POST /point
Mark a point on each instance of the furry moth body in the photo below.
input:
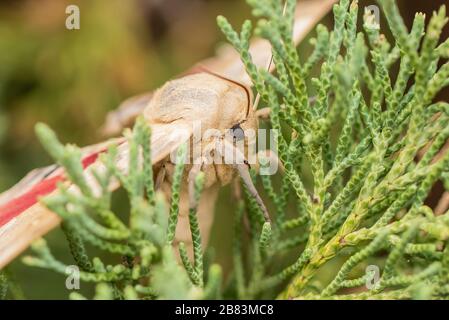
(217, 104)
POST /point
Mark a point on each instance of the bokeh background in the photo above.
(70, 79)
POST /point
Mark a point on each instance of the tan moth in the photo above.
(213, 104)
(219, 105)
(221, 100)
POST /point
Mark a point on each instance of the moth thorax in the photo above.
(215, 102)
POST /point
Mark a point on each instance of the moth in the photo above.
(223, 111)
(219, 98)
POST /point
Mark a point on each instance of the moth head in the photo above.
(215, 108)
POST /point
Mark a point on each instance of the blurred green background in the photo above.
(70, 79)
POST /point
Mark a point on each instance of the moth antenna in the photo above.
(242, 166)
(268, 67)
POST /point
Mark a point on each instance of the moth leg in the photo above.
(183, 227)
(160, 177)
(125, 114)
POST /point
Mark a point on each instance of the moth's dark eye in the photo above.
(237, 132)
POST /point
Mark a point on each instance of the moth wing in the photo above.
(26, 183)
(38, 175)
(35, 221)
(166, 139)
(125, 114)
(17, 234)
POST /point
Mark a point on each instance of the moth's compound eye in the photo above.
(237, 132)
